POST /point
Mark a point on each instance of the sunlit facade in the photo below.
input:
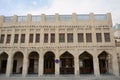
(117, 41)
(57, 44)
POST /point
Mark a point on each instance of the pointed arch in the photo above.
(86, 63)
(105, 64)
(66, 63)
(85, 54)
(69, 51)
(65, 54)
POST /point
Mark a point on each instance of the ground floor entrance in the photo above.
(49, 63)
(3, 66)
(3, 62)
(17, 63)
(105, 64)
(33, 63)
(86, 63)
(66, 63)
(61, 63)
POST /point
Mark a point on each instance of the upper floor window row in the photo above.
(65, 17)
(36, 18)
(62, 37)
(8, 19)
(49, 18)
(83, 17)
(100, 17)
(22, 18)
(60, 17)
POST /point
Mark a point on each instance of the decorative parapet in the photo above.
(74, 16)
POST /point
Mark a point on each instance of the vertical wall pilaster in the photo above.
(57, 29)
(41, 64)
(1, 21)
(15, 19)
(109, 19)
(57, 65)
(115, 65)
(25, 65)
(9, 65)
(5, 39)
(12, 37)
(96, 66)
(76, 64)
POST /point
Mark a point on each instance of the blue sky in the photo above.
(36, 7)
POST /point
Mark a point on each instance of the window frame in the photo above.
(8, 39)
(46, 37)
(16, 38)
(22, 38)
(61, 37)
(37, 38)
(52, 39)
(2, 38)
(88, 37)
(31, 38)
(98, 37)
(70, 38)
(80, 37)
(107, 37)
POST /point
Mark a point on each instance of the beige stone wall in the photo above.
(118, 57)
(73, 26)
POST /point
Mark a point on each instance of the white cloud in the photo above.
(79, 7)
(71, 6)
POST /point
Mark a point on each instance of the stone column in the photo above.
(76, 63)
(57, 65)
(9, 65)
(115, 65)
(96, 66)
(41, 65)
(25, 66)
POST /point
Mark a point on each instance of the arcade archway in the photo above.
(33, 63)
(86, 63)
(17, 63)
(105, 62)
(66, 63)
(49, 63)
(3, 62)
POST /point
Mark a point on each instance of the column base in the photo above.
(97, 75)
(24, 75)
(7, 75)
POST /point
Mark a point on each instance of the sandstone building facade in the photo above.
(58, 44)
(117, 41)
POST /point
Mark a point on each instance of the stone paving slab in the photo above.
(68, 77)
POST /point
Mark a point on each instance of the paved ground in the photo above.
(61, 77)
